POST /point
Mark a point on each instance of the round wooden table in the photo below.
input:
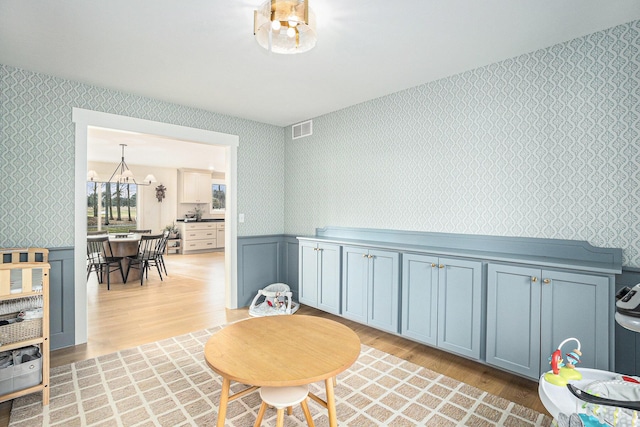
(279, 351)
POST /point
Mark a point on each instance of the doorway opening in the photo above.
(84, 119)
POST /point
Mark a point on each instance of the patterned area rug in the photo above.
(167, 383)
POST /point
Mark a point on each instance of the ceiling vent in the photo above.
(302, 129)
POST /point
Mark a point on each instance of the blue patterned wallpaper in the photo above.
(541, 145)
(37, 156)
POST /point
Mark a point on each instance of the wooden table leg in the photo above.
(224, 400)
(331, 402)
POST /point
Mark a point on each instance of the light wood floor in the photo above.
(192, 298)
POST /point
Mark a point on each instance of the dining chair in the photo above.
(163, 250)
(133, 230)
(149, 251)
(101, 260)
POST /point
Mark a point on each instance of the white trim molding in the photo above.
(85, 118)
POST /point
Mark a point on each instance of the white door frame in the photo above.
(85, 118)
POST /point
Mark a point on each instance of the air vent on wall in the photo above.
(302, 129)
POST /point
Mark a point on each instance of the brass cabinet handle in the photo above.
(370, 256)
(365, 256)
(433, 265)
(534, 279)
(441, 266)
(546, 281)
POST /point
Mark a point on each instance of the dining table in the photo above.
(124, 245)
(281, 351)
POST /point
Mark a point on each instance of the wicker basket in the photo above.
(19, 331)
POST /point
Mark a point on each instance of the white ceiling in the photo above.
(103, 145)
(202, 53)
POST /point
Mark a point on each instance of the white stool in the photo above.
(284, 397)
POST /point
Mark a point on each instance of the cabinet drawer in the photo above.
(200, 244)
(220, 225)
(200, 235)
(200, 226)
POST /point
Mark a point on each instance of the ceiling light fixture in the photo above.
(285, 26)
(122, 174)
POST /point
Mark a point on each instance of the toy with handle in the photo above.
(561, 372)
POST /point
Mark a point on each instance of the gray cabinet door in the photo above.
(420, 298)
(576, 306)
(513, 318)
(460, 306)
(329, 278)
(308, 273)
(355, 278)
(384, 287)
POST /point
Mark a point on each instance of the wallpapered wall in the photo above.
(542, 145)
(37, 156)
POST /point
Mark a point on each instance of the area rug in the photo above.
(167, 383)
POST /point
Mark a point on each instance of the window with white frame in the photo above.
(218, 195)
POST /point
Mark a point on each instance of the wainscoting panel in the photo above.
(263, 260)
(290, 268)
(61, 298)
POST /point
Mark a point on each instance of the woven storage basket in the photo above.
(19, 331)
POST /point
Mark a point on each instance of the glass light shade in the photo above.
(149, 179)
(303, 24)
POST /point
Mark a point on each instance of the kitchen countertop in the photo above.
(201, 220)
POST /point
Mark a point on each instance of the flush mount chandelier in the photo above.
(285, 26)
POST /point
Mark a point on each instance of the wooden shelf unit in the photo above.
(26, 260)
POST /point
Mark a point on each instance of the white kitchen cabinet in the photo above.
(219, 234)
(195, 187)
(198, 236)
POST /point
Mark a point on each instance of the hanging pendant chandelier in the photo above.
(122, 174)
(285, 26)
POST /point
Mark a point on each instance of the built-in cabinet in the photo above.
(319, 275)
(530, 311)
(219, 235)
(370, 287)
(195, 186)
(442, 302)
(420, 298)
(507, 302)
(198, 236)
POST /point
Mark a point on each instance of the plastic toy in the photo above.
(277, 300)
(562, 372)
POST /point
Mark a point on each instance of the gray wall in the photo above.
(542, 145)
